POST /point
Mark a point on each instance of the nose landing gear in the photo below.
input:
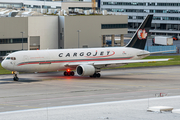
(15, 76)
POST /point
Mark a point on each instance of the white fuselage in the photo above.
(52, 60)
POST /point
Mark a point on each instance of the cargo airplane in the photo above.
(86, 61)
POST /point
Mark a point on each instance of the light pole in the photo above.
(22, 39)
(78, 36)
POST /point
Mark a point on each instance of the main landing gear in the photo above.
(96, 75)
(15, 76)
(68, 73)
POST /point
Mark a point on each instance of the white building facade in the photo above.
(166, 19)
(90, 31)
(28, 33)
(56, 4)
(59, 32)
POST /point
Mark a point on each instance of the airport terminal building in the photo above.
(90, 31)
(166, 19)
(37, 33)
(55, 4)
(58, 32)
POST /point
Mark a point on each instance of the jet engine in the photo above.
(85, 70)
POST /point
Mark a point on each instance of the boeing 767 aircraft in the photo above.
(86, 61)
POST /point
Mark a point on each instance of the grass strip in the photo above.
(4, 71)
(174, 61)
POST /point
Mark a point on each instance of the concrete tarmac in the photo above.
(44, 90)
(116, 110)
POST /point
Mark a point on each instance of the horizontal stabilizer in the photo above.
(149, 53)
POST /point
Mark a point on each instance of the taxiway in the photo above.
(46, 90)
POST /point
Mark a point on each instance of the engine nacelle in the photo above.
(85, 70)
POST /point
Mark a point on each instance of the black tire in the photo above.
(65, 73)
(94, 75)
(72, 73)
(15, 78)
(98, 75)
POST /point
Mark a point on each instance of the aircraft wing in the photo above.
(113, 62)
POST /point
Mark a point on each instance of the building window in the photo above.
(61, 36)
(3, 53)
(141, 4)
(140, 17)
(113, 26)
(11, 41)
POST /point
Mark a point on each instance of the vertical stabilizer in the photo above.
(140, 37)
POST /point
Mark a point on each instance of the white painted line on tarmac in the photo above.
(90, 104)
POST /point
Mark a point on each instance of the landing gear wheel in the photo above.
(69, 73)
(65, 73)
(15, 77)
(94, 75)
(72, 73)
(98, 75)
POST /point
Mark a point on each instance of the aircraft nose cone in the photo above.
(3, 64)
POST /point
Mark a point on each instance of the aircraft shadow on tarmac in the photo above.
(22, 80)
(122, 78)
(59, 77)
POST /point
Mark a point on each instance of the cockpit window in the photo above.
(12, 58)
(8, 58)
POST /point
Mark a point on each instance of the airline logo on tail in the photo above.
(142, 34)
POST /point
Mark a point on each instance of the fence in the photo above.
(161, 48)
